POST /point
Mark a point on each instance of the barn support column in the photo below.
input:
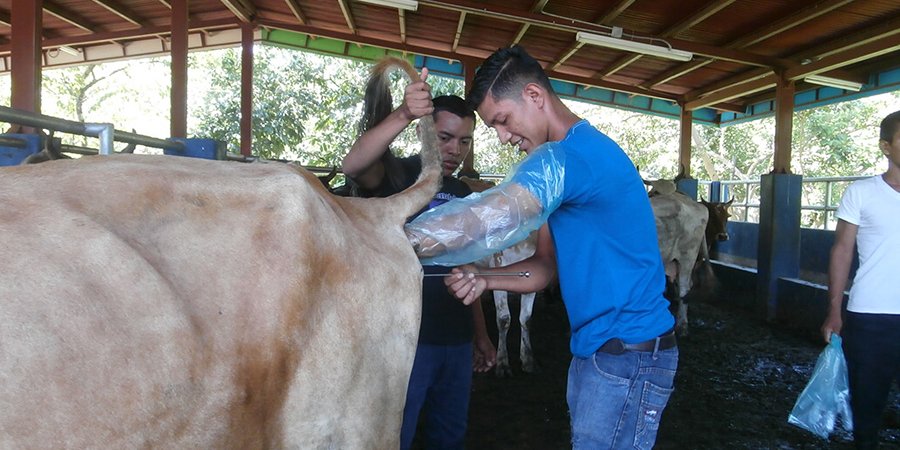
(686, 183)
(25, 77)
(246, 88)
(179, 51)
(779, 213)
(468, 165)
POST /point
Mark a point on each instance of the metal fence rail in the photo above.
(820, 199)
(104, 131)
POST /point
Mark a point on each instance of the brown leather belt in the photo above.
(665, 341)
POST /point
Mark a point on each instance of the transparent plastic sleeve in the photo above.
(468, 229)
(827, 395)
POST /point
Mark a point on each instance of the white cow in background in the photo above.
(511, 255)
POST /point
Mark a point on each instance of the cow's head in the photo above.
(716, 227)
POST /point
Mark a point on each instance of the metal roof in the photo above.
(740, 47)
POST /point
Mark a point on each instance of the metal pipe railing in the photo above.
(105, 131)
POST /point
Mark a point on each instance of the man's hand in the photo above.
(417, 99)
(464, 285)
(484, 355)
(833, 324)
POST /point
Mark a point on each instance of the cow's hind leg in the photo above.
(503, 322)
(526, 354)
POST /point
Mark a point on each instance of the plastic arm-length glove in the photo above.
(468, 229)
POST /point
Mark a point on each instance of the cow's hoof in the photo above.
(531, 368)
(503, 371)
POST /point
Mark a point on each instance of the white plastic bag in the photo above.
(826, 396)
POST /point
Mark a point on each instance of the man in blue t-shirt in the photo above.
(601, 239)
(441, 377)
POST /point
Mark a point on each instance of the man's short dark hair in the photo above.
(453, 104)
(889, 126)
(504, 74)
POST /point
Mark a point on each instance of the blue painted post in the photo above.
(688, 186)
(198, 148)
(715, 189)
(779, 237)
(20, 146)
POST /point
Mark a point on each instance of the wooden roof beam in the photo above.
(297, 11)
(166, 3)
(787, 23)
(695, 18)
(877, 36)
(798, 18)
(732, 92)
(120, 11)
(459, 28)
(851, 56)
(710, 9)
(5, 19)
(242, 9)
(348, 16)
(500, 12)
(66, 16)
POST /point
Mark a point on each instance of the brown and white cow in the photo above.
(511, 255)
(680, 227)
(717, 227)
(160, 301)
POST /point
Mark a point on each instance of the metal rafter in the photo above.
(566, 55)
(242, 9)
(120, 11)
(402, 16)
(620, 64)
(61, 14)
(614, 12)
(536, 8)
(348, 16)
(297, 11)
(166, 3)
(459, 28)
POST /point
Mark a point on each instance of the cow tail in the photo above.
(414, 198)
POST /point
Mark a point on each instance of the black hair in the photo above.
(889, 126)
(452, 104)
(504, 74)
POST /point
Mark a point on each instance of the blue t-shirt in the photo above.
(607, 253)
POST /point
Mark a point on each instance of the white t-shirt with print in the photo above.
(874, 207)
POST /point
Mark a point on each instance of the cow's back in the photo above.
(191, 303)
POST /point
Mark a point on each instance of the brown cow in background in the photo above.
(169, 302)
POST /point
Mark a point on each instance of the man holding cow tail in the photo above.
(441, 376)
(867, 217)
(601, 239)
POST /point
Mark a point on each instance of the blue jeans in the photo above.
(616, 401)
(439, 387)
(871, 344)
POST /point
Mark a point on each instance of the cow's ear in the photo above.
(703, 200)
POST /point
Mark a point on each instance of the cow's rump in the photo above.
(175, 302)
